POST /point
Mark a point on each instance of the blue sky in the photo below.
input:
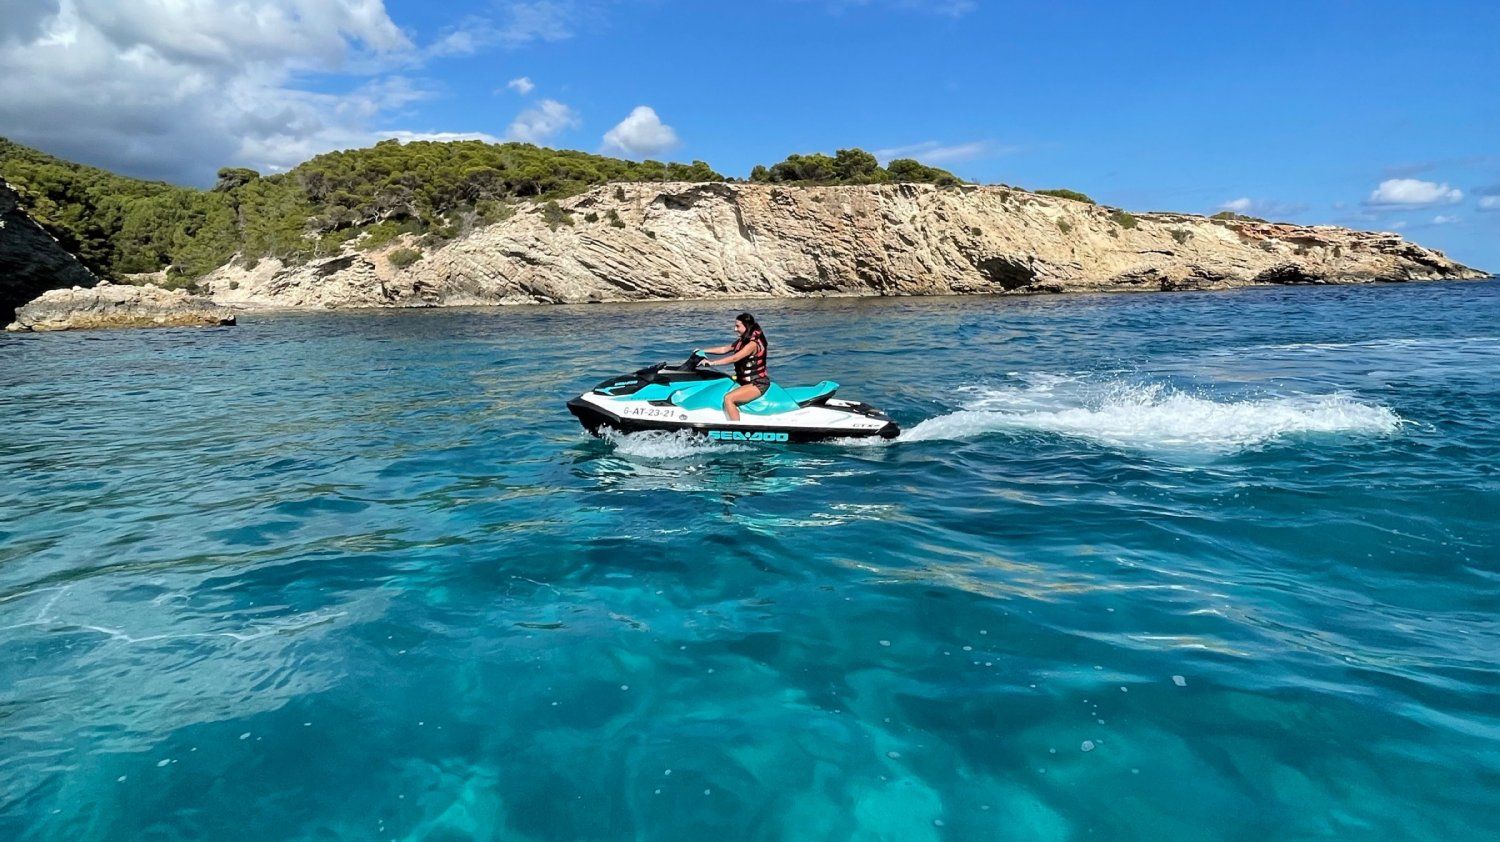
(1377, 115)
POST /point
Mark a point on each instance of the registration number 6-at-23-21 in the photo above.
(652, 411)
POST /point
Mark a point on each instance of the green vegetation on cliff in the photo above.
(1231, 216)
(1067, 194)
(118, 225)
(402, 258)
(115, 224)
(849, 166)
(121, 226)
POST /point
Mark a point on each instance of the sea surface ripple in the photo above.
(1211, 565)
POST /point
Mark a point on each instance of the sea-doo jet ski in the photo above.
(690, 397)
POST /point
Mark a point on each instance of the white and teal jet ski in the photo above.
(690, 397)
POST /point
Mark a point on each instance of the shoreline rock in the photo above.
(117, 306)
(675, 241)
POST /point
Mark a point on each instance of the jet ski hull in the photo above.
(596, 419)
(690, 398)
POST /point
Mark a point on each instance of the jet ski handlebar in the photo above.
(692, 363)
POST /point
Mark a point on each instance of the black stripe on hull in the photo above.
(594, 418)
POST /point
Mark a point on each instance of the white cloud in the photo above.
(1489, 203)
(1263, 207)
(522, 23)
(1414, 192)
(463, 41)
(282, 127)
(23, 19)
(541, 122)
(544, 21)
(307, 34)
(408, 137)
(521, 85)
(175, 89)
(934, 152)
(1444, 219)
(640, 135)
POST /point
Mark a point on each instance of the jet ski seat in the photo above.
(705, 395)
(776, 400)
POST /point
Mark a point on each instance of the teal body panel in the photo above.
(706, 395)
(799, 395)
(776, 400)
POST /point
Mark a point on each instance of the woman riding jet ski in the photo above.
(749, 353)
(706, 402)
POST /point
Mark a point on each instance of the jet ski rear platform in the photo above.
(690, 398)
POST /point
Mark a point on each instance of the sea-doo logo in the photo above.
(735, 435)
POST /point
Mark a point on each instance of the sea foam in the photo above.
(655, 444)
(1153, 416)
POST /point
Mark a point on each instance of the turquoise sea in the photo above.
(1198, 566)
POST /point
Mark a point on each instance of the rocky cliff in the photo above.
(678, 240)
(31, 261)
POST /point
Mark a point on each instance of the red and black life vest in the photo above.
(753, 367)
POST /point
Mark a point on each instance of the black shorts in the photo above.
(761, 383)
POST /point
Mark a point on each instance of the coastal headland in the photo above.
(632, 242)
(463, 223)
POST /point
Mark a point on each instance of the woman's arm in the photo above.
(722, 349)
(750, 348)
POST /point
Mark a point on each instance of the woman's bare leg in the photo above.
(743, 394)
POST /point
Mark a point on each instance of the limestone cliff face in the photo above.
(670, 241)
(31, 261)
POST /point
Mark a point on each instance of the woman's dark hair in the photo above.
(752, 327)
(753, 332)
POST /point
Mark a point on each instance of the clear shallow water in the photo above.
(1218, 565)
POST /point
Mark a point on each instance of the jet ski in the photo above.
(690, 397)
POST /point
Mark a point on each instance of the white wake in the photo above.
(662, 444)
(1154, 417)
